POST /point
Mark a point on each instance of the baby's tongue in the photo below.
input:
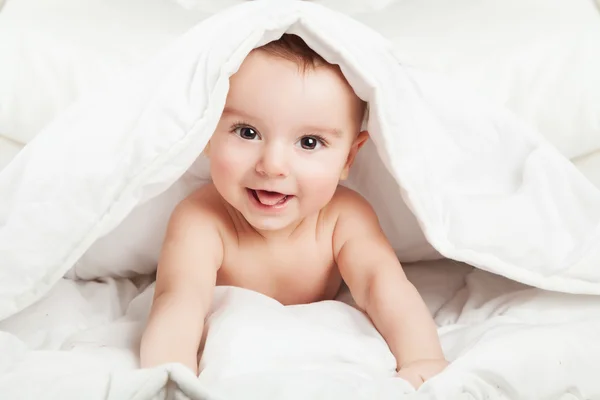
(269, 198)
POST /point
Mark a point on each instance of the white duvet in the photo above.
(447, 174)
(506, 340)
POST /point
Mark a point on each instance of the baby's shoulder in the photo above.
(353, 213)
(202, 204)
(346, 200)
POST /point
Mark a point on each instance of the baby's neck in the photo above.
(284, 234)
(275, 236)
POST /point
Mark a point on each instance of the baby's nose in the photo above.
(273, 162)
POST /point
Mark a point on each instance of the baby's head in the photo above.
(289, 132)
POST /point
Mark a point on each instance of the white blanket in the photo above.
(506, 340)
(481, 186)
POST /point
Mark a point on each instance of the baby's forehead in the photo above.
(264, 75)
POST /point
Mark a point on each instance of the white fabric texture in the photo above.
(589, 165)
(53, 53)
(8, 150)
(506, 341)
(536, 57)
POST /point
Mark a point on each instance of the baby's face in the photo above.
(284, 140)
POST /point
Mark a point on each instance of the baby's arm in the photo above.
(191, 255)
(379, 286)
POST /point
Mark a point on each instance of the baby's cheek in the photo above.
(321, 188)
(225, 162)
(222, 166)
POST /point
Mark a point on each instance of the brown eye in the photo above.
(309, 142)
(246, 132)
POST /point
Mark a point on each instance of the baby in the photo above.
(275, 220)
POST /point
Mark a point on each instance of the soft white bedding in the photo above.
(8, 150)
(589, 165)
(507, 341)
(537, 57)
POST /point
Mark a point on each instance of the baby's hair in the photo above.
(293, 48)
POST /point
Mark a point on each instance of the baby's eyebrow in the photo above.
(235, 111)
(320, 129)
(306, 128)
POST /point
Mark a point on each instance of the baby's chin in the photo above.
(271, 224)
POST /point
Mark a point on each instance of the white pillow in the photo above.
(53, 52)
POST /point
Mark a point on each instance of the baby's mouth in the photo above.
(268, 198)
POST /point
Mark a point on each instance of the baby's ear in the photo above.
(359, 142)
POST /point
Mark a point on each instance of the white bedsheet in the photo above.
(506, 341)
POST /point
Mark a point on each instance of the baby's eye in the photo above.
(310, 142)
(245, 132)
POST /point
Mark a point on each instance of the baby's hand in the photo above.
(419, 371)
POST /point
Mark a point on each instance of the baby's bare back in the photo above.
(295, 269)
